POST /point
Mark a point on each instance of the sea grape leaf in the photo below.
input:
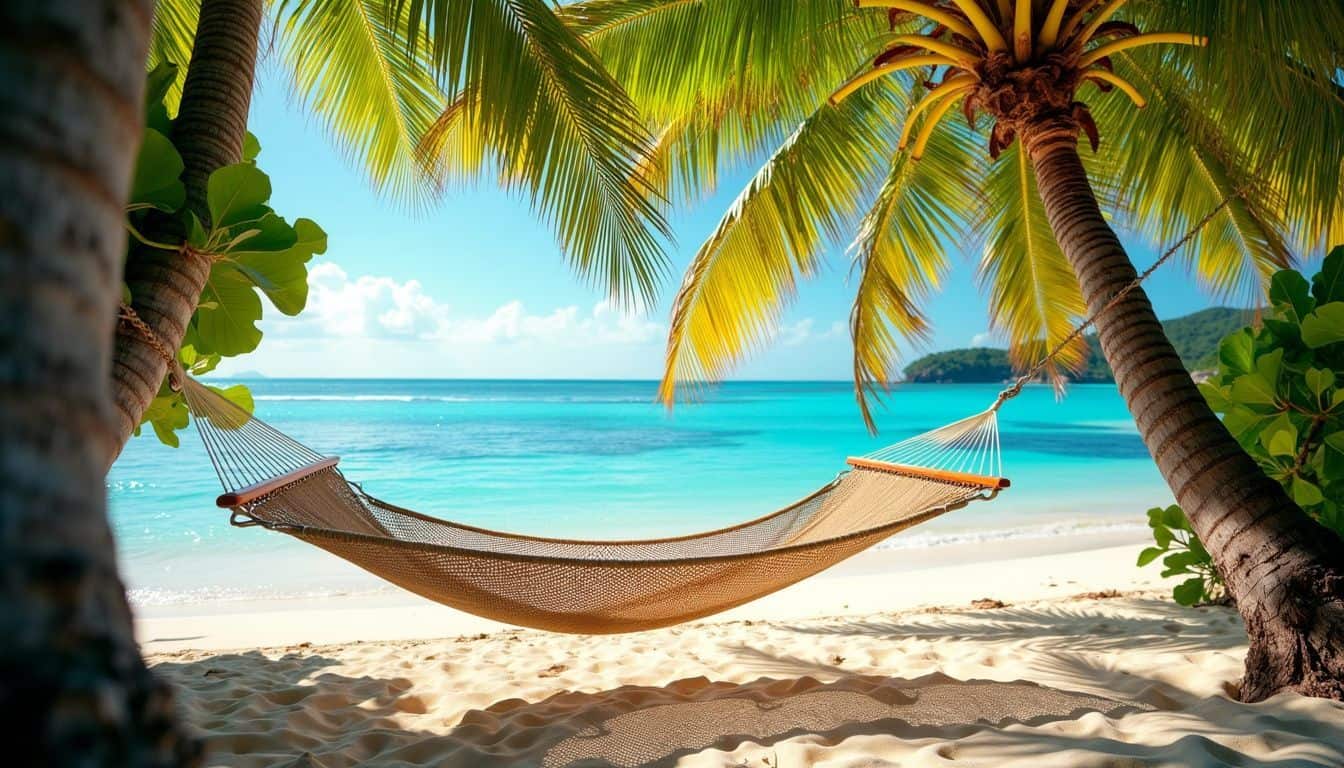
(1319, 380)
(251, 147)
(1253, 389)
(158, 174)
(1216, 395)
(1189, 592)
(278, 266)
(1280, 440)
(229, 328)
(166, 414)
(1149, 554)
(1237, 352)
(1270, 366)
(1328, 284)
(1289, 290)
(237, 394)
(1173, 517)
(1324, 326)
(1245, 424)
(1305, 493)
(157, 84)
(237, 193)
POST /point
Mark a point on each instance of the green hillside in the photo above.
(1195, 337)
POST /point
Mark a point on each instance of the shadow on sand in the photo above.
(295, 710)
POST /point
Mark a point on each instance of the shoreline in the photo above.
(1008, 570)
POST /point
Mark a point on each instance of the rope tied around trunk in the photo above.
(1031, 373)
(128, 317)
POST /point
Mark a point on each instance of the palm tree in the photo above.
(71, 81)
(376, 73)
(849, 105)
(72, 77)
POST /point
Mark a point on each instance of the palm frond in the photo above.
(557, 127)
(1177, 163)
(791, 51)
(352, 65)
(1272, 73)
(811, 193)
(900, 255)
(1034, 297)
(171, 39)
(742, 82)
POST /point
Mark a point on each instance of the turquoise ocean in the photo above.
(600, 459)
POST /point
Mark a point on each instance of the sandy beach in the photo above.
(1047, 653)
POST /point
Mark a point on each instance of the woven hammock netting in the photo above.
(591, 587)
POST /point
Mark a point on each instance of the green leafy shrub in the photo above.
(1182, 555)
(254, 252)
(1279, 393)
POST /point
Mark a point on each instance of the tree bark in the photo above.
(73, 688)
(209, 130)
(1285, 571)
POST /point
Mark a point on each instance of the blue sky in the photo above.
(475, 287)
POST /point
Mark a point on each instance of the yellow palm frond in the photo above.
(811, 193)
(900, 255)
(1034, 298)
(351, 65)
(170, 42)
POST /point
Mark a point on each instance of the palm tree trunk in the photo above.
(1286, 572)
(209, 131)
(73, 688)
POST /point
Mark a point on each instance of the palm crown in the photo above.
(832, 95)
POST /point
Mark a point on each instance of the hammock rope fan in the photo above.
(601, 586)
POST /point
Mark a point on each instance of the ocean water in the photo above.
(599, 459)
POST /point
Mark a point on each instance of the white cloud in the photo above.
(804, 332)
(378, 326)
(377, 307)
(983, 339)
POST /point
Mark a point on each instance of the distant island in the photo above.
(1195, 337)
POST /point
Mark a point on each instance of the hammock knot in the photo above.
(128, 318)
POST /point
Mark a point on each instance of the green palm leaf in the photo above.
(1034, 298)
(1179, 163)
(171, 40)
(811, 193)
(352, 65)
(554, 124)
(1272, 72)
(900, 256)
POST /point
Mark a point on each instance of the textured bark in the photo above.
(209, 131)
(1285, 571)
(73, 689)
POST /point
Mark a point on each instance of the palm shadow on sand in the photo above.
(334, 721)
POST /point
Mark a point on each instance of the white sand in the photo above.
(852, 668)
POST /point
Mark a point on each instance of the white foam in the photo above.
(160, 596)
(1044, 531)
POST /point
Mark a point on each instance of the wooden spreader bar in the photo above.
(964, 478)
(257, 490)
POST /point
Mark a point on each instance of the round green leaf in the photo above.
(237, 193)
(158, 174)
(1324, 326)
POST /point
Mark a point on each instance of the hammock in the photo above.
(591, 587)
